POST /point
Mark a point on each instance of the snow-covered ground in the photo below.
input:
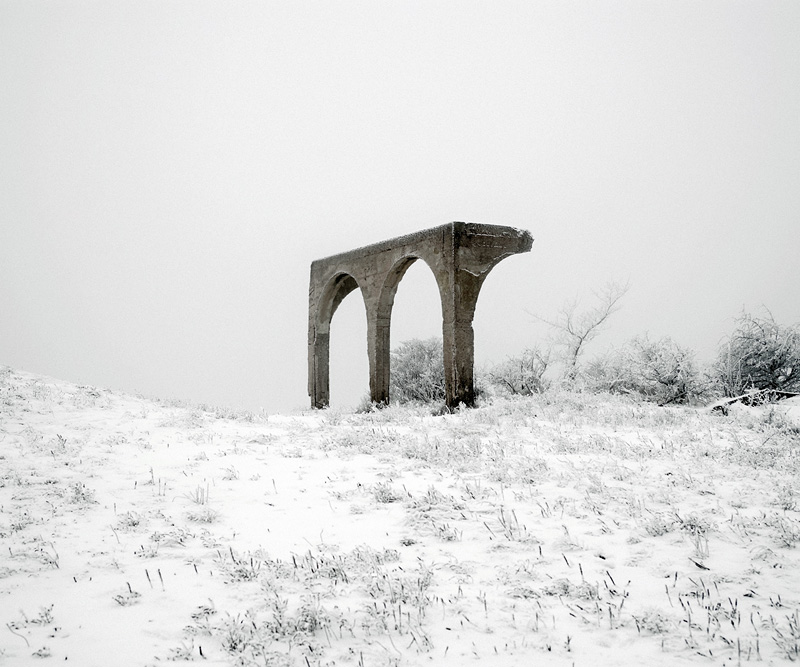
(560, 529)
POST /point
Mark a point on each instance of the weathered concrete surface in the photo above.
(460, 254)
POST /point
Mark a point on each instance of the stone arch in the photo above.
(333, 294)
(459, 254)
(395, 275)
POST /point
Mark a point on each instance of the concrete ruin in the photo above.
(459, 254)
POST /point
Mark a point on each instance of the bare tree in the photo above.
(574, 328)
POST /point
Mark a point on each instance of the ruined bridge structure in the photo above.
(460, 255)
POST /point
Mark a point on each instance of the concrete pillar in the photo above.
(458, 339)
(320, 371)
(378, 349)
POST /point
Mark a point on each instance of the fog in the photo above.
(169, 170)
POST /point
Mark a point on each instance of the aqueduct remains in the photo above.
(460, 256)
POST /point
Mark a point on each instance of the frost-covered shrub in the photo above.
(522, 374)
(660, 371)
(417, 372)
(760, 354)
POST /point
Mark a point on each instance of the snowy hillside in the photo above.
(566, 529)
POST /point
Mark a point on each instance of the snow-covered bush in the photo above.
(759, 354)
(521, 374)
(660, 371)
(417, 372)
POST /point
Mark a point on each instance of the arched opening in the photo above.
(417, 309)
(349, 364)
(416, 312)
(332, 295)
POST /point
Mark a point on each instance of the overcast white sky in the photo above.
(169, 170)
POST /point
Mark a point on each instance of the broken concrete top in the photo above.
(467, 230)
